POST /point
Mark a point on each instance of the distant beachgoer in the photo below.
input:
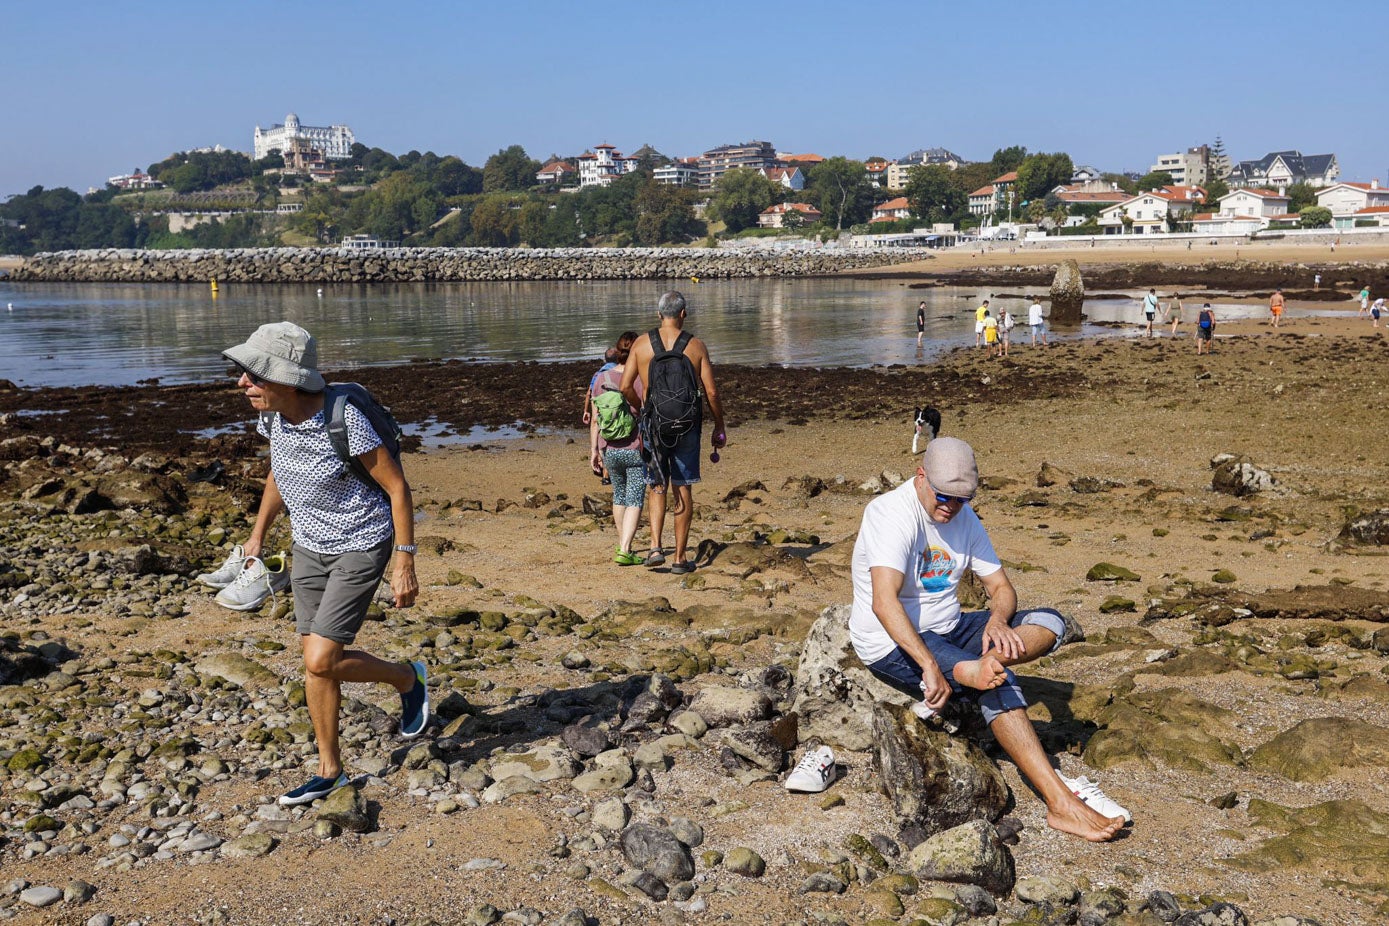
(1005, 331)
(1174, 312)
(620, 457)
(990, 333)
(672, 459)
(1036, 321)
(345, 531)
(608, 356)
(979, 315)
(1205, 329)
(1375, 310)
(1150, 308)
(1316, 281)
(1364, 302)
(920, 323)
(1275, 306)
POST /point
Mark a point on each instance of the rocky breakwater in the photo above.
(406, 265)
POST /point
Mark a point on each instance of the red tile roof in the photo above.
(1009, 177)
(898, 203)
(984, 191)
(1372, 210)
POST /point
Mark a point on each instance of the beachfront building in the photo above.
(1075, 197)
(558, 171)
(335, 141)
(716, 162)
(680, 172)
(1346, 200)
(892, 210)
(1281, 169)
(899, 172)
(994, 197)
(1243, 212)
(790, 177)
(603, 165)
(135, 180)
(1151, 212)
(1191, 167)
(776, 216)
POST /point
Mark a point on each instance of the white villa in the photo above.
(1244, 212)
(1284, 168)
(790, 177)
(775, 216)
(603, 165)
(892, 210)
(558, 172)
(1151, 212)
(993, 197)
(1355, 202)
(335, 141)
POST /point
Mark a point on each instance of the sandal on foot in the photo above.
(681, 569)
(655, 558)
(626, 559)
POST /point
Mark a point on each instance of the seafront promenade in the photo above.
(405, 265)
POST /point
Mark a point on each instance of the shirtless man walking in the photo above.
(675, 464)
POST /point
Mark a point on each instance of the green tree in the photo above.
(664, 215)
(934, 195)
(494, 222)
(1039, 174)
(739, 197)
(1007, 159)
(1215, 188)
(1315, 216)
(509, 169)
(842, 191)
(1154, 180)
(1301, 196)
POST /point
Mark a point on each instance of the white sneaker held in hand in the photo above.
(814, 772)
(224, 574)
(1089, 792)
(258, 580)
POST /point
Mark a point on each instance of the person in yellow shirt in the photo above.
(991, 335)
(979, 315)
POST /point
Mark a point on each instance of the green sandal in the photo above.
(627, 559)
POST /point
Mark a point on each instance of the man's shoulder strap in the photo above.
(658, 348)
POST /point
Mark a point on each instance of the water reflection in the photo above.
(70, 334)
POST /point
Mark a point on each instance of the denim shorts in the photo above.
(679, 463)
(625, 471)
(963, 643)
(332, 591)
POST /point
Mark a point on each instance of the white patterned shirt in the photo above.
(330, 510)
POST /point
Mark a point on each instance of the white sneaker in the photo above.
(223, 575)
(814, 772)
(258, 580)
(1094, 798)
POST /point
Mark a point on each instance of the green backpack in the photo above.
(615, 419)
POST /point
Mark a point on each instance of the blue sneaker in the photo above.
(313, 789)
(414, 705)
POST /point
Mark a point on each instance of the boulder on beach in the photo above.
(1067, 292)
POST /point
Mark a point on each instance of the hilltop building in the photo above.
(558, 172)
(680, 172)
(603, 165)
(1281, 169)
(776, 216)
(716, 162)
(137, 180)
(790, 177)
(334, 141)
(994, 197)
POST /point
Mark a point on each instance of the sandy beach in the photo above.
(1091, 452)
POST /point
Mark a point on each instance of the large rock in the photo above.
(971, 853)
(237, 669)
(1234, 475)
(347, 808)
(1338, 841)
(936, 781)
(1318, 748)
(1370, 529)
(721, 706)
(1067, 292)
(1167, 727)
(835, 695)
(657, 851)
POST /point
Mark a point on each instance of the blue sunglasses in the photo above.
(947, 499)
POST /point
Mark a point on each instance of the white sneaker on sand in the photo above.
(1089, 792)
(223, 575)
(258, 580)
(814, 772)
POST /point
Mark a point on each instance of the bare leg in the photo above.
(327, 664)
(1065, 812)
(619, 513)
(682, 521)
(627, 527)
(657, 518)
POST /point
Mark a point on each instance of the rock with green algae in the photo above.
(1344, 841)
(1321, 747)
(1167, 727)
(1108, 572)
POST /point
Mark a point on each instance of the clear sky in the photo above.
(96, 89)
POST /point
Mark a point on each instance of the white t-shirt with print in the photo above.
(330, 510)
(897, 533)
(1034, 314)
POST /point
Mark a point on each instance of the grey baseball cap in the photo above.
(280, 352)
(950, 467)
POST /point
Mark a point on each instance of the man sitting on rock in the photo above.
(912, 634)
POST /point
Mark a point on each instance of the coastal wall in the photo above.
(404, 265)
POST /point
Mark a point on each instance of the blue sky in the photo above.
(94, 89)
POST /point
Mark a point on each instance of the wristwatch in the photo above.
(406, 548)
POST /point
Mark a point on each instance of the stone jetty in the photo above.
(421, 265)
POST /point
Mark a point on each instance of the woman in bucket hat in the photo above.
(345, 533)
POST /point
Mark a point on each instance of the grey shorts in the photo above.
(332, 591)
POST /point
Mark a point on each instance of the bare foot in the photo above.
(981, 674)
(1074, 817)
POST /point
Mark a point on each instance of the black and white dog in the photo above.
(928, 424)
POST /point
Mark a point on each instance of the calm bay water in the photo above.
(61, 334)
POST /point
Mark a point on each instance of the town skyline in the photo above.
(538, 76)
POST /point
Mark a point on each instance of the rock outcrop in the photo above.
(1067, 292)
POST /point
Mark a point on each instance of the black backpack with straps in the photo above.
(673, 405)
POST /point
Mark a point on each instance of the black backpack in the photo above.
(673, 406)
(335, 399)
